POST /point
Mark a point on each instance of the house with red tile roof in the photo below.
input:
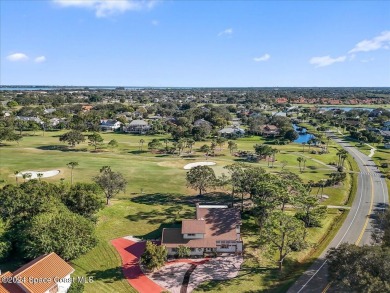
(86, 108)
(269, 130)
(48, 273)
(216, 229)
(281, 100)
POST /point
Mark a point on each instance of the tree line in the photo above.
(37, 217)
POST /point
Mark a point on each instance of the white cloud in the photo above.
(226, 32)
(367, 60)
(326, 60)
(17, 57)
(379, 42)
(263, 58)
(155, 22)
(40, 59)
(104, 8)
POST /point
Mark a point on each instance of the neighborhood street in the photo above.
(371, 197)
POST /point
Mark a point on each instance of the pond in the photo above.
(304, 136)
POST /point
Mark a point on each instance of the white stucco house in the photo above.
(109, 124)
(233, 130)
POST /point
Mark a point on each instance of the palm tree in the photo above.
(141, 144)
(340, 153)
(72, 165)
(310, 185)
(190, 143)
(321, 187)
(166, 141)
(16, 176)
(274, 151)
(303, 147)
(300, 159)
(283, 164)
(304, 163)
(39, 175)
(327, 143)
(231, 146)
(213, 146)
(309, 142)
(343, 157)
(26, 176)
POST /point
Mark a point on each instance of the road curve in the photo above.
(371, 196)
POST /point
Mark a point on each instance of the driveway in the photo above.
(130, 252)
(182, 276)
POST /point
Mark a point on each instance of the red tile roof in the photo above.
(7, 285)
(49, 266)
(220, 224)
(193, 226)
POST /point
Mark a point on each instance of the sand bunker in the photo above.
(192, 165)
(45, 174)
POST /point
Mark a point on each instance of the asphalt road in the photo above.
(371, 197)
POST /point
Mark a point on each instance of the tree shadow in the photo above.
(156, 234)
(62, 148)
(137, 152)
(378, 220)
(169, 215)
(178, 199)
(107, 276)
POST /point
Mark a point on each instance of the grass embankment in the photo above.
(381, 155)
(162, 180)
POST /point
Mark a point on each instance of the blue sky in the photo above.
(195, 43)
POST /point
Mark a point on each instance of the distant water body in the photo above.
(304, 136)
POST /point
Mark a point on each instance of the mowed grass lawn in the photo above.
(163, 200)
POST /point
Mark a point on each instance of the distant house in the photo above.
(109, 124)
(50, 272)
(86, 108)
(200, 122)
(386, 125)
(155, 117)
(385, 134)
(55, 121)
(137, 114)
(352, 122)
(279, 114)
(373, 129)
(230, 131)
(49, 111)
(376, 112)
(28, 119)
(216, 229)
(269, 130)
(281, 100)
(138, 126)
